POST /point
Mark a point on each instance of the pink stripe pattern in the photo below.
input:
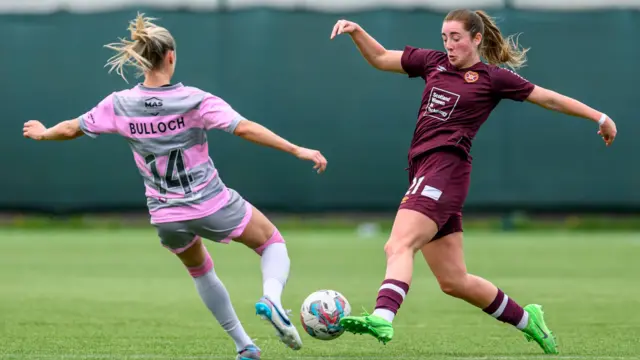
(183, 213)
(166, 130)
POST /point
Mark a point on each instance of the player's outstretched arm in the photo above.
(375, 54)
(260, 135)
(66, 130)
(554, 101)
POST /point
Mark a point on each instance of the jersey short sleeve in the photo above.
(415, 61)
(217, 114)
(509, 85)
(100, 119)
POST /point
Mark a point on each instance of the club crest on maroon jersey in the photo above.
(471, 76)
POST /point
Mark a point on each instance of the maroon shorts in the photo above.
(439, 183)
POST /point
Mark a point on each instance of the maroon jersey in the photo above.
(455, 103)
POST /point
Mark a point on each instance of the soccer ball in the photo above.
(321, 313)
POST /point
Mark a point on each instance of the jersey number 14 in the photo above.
(175, 174)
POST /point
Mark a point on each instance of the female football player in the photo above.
(165, 124)
(460, 93)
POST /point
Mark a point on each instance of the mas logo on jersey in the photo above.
(471, 76)
(153, 106)
(153, 102)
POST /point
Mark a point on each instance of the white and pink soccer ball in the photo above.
(321, 313)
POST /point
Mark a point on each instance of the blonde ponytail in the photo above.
(145, 51)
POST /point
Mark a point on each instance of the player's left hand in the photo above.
(608, 131)
(33, 129)
(312, 155)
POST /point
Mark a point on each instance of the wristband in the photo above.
(603, 118)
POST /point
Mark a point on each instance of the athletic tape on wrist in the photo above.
(603, 118)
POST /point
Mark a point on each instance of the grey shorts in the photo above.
(223, 225)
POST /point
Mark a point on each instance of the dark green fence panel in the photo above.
(279, 68)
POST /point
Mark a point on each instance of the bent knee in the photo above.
(396, 246)
(454, 285)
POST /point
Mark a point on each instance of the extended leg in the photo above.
(445, 257)
(411, 230)
(216, 297)
(265, 239)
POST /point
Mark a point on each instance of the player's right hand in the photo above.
(608, 131)
(320, 163)
(33, 129)
(344, 27)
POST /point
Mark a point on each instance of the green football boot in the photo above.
(373, 325)
(538, 331)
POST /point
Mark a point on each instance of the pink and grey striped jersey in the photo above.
(166, 129)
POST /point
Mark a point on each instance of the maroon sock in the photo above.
(506, 310)
(391, 295)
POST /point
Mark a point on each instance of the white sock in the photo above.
(216, 297)
(275, 265)
(524, 321)
(385, 314)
